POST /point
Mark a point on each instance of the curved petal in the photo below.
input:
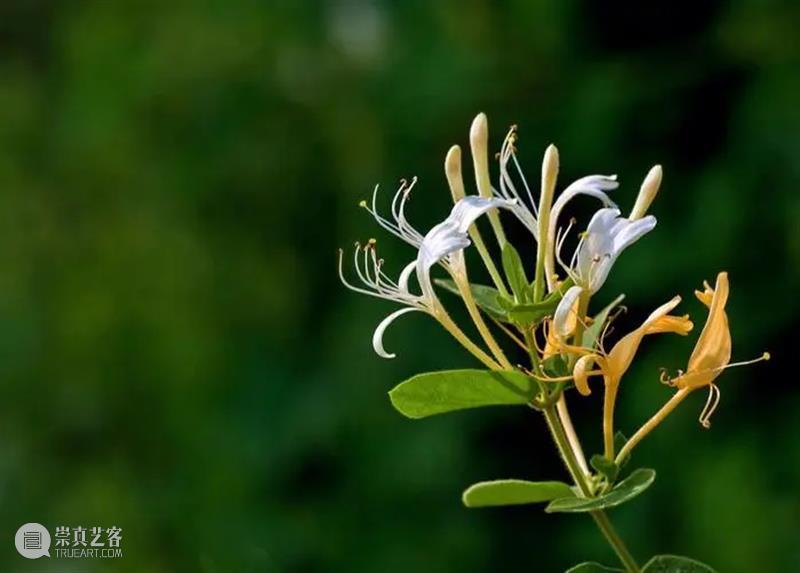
(594, 186)
(632, 231)
(565, 317)
(713, 349)
(377, 337)
(468, 209)
(405, 275)
(597, 245)
(450, 235)
(581, 370)
(607, 235)
(621, 356)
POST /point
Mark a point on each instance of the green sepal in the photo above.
(449, 390)
(605, 467)
(555, 366)
(592, 567)
(526, 314)
(486, 298)
(515, 273)
(624, 491)
(514, 492)
(675, 564)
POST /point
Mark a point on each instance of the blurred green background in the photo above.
(178, 358)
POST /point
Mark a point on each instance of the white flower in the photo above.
(443, 244)
(607, 235)
(526, 211)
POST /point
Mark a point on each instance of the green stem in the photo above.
(599, 516)
(657, 418)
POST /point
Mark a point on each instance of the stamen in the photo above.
(711, 405)
(764, 357)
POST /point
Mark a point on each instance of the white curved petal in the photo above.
(607, 235)
(594, 186)
(377, 337)
(565, 316)
(450, 235)
(405, 275)
(632, 232)
(469, 208)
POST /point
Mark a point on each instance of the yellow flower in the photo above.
(712, 353)
(614, 364)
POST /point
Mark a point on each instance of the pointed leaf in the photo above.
(592, 334)
(592, 567)
(485, 297)
(515, 272)
(624, 491)
(513, 492)
(675, 564)
(438, 392)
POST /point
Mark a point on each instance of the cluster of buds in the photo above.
(547, 316)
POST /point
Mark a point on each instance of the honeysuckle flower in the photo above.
(712, 352)
(443, 244)
(607, 235)
(615, 364)
(711, 355)
(525, 207)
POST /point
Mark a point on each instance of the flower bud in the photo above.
(647, 193)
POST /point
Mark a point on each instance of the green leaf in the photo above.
(624, 491)
(485, 297)
(675, 564)
(515, 272)
(513, 492)
(605, 466)
(592, 333)
(438, 392)
(592, 567)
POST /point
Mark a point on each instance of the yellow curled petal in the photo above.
(582, 371)
(677, 324)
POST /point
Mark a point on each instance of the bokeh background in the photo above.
(178, 358)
